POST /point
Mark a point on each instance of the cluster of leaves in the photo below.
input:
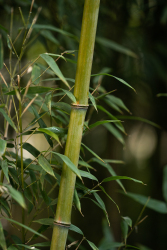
(24, 180)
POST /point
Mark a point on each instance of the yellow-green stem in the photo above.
(77, 117)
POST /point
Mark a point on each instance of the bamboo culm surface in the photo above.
(62, 219)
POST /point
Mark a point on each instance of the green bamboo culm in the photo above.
(65, 198)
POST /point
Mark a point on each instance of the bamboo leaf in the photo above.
(118, 124)
(102, 188)
(5, 204)
(49, 60)
(77, 201)
(70, 95)
(48, 132)
(67, 161)
(164, 183)
(31, 149)
(110, 169)
(26, 227)
(42, 244)
(112, 178)
(4, 166)
(92, 99)
(1, 53)
(45, 165)
(48, 101)
(115, 132)
(3, 144)
(36, 72)
(117, 102)
(92, 245)
(101, 122)
(138, 119)
(88, 175)
(76, 229)
(57, 130)
(115, 46)
(128, 220)
(2, 238)
(53, 28)
(8, 119)
(42, 125)
(85, 164)
(156, 205)
(16, 195)
(45, 221)
(63, 106)
(117, 78)
(28, 247)
(110, 245)
(92, 152)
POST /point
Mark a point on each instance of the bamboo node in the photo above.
(79, 106)
(61, 224)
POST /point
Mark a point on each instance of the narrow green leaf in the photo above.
(16, 195)
(3, 144)
(85, 164)
(53, 28)
(93, 153)
(4, 166)
(102, 188)
(62, 106)
(36, 72)
(8, 119)
(112, 178)
(164, 183)
(92, 99)
(2, 238)
(161, 94)
(118, 124)
(49, 60)
(88, 175)
(1, 53)
(70, 95)
(101, 122)
(31, 149)
(115, 132)
(48, 35)
(138, 119)
(117, 102)
(5, 204)
(11, 247)
(28, 247)
(77, 201)
(110, 169)
(156, 205)
(57, 79)
(42, 244)
(92, 245)
(67, 161)
(57, 130)
(26, 227)
(50, 133)
(42, 125)
(45, 221)
(128, 220)
(110, 245)
(117, 78)
(124, 228)
(114, 161)
(45, 165)
(76, 229)
(115, 46)
(48, 101)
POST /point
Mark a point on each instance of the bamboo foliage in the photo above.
(77, 117)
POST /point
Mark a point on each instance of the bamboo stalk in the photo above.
(77, 117)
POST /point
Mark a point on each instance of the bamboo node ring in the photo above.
(79, 106)
(61, 224)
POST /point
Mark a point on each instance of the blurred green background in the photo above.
(131, 44)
